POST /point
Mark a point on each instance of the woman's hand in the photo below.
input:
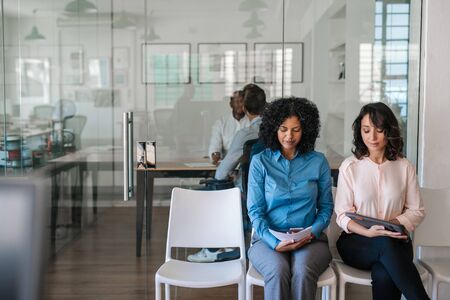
(286, 246)
(374, 231)
(378, 230)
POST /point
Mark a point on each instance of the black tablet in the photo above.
(369, 222)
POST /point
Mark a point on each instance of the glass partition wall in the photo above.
(71, 68)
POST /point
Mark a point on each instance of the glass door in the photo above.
(70, 69)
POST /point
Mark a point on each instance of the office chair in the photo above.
(72, 128)
(203, 219)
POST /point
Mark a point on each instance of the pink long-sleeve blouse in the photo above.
(384, 191)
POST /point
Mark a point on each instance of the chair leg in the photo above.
(434, 289)
(157, 290)
(167, 290)
(325, 292)
(241, 291)
(249, 291)
(333, 291)
(341, 290)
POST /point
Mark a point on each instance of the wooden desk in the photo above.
(145, 187)
(90, 159)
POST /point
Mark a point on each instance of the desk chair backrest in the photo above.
(251, 147)
(435, 229)
(75, 124)
(205, 219)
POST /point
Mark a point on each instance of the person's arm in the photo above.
(231, 160)
(216, 141)
(325, 200)
(414, 211)
(256, 202)
(344, 201)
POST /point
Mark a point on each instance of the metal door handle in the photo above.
(128, 173)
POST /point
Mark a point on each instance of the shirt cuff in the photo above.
(344, 224)
(405, 222)
(271, 240)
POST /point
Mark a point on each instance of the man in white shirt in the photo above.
(254, 103)
(226, 127)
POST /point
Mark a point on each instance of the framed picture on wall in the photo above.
(166, 63)
(72, 65)
(220, 63)
(99, 72)
(269, 66)
(12, 55)
(34, 78)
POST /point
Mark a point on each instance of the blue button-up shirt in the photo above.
(285, 194)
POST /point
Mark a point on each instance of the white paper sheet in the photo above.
(296, 236)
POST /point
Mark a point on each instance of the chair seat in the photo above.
(200, 275)
(326, 278)
(438, 267)
(363, 277)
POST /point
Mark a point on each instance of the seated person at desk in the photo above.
(254, 104)
(289, 186)
(226, 127)
(378, 182)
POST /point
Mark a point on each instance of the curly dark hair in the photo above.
(281, 109)
(382, 118)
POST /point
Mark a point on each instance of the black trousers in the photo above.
(390, 262)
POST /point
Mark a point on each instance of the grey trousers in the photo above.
(290, 275)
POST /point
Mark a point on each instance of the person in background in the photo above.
(254, 104)
(377, 181)
(226, 127)
(289, 186)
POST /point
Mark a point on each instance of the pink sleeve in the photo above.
(414, 210)
(344, 196)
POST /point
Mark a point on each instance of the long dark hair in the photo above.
(382, 118)
(279, 110)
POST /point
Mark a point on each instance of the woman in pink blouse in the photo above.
(377, 181)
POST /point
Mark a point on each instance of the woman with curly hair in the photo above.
(289, 187)
(378, 182)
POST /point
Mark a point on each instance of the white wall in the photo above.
(434, 128)
(434, 142)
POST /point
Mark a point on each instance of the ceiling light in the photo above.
(80, 6)
(249, 5)
(34, 34)
(254, 34)
(253, 21)
(151, 35)
(123, 22)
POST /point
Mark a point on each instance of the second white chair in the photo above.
(203, 219)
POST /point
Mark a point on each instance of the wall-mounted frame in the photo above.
(269, 62)
(99, 72)
(34, 78)
(220, 63)
(166, 63)
(12, 54)
(72, 63)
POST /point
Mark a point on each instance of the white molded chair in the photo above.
(432, 237)
(349, 274)
(327, 280)
(203, 219)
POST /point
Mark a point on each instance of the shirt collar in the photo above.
(277, 155)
